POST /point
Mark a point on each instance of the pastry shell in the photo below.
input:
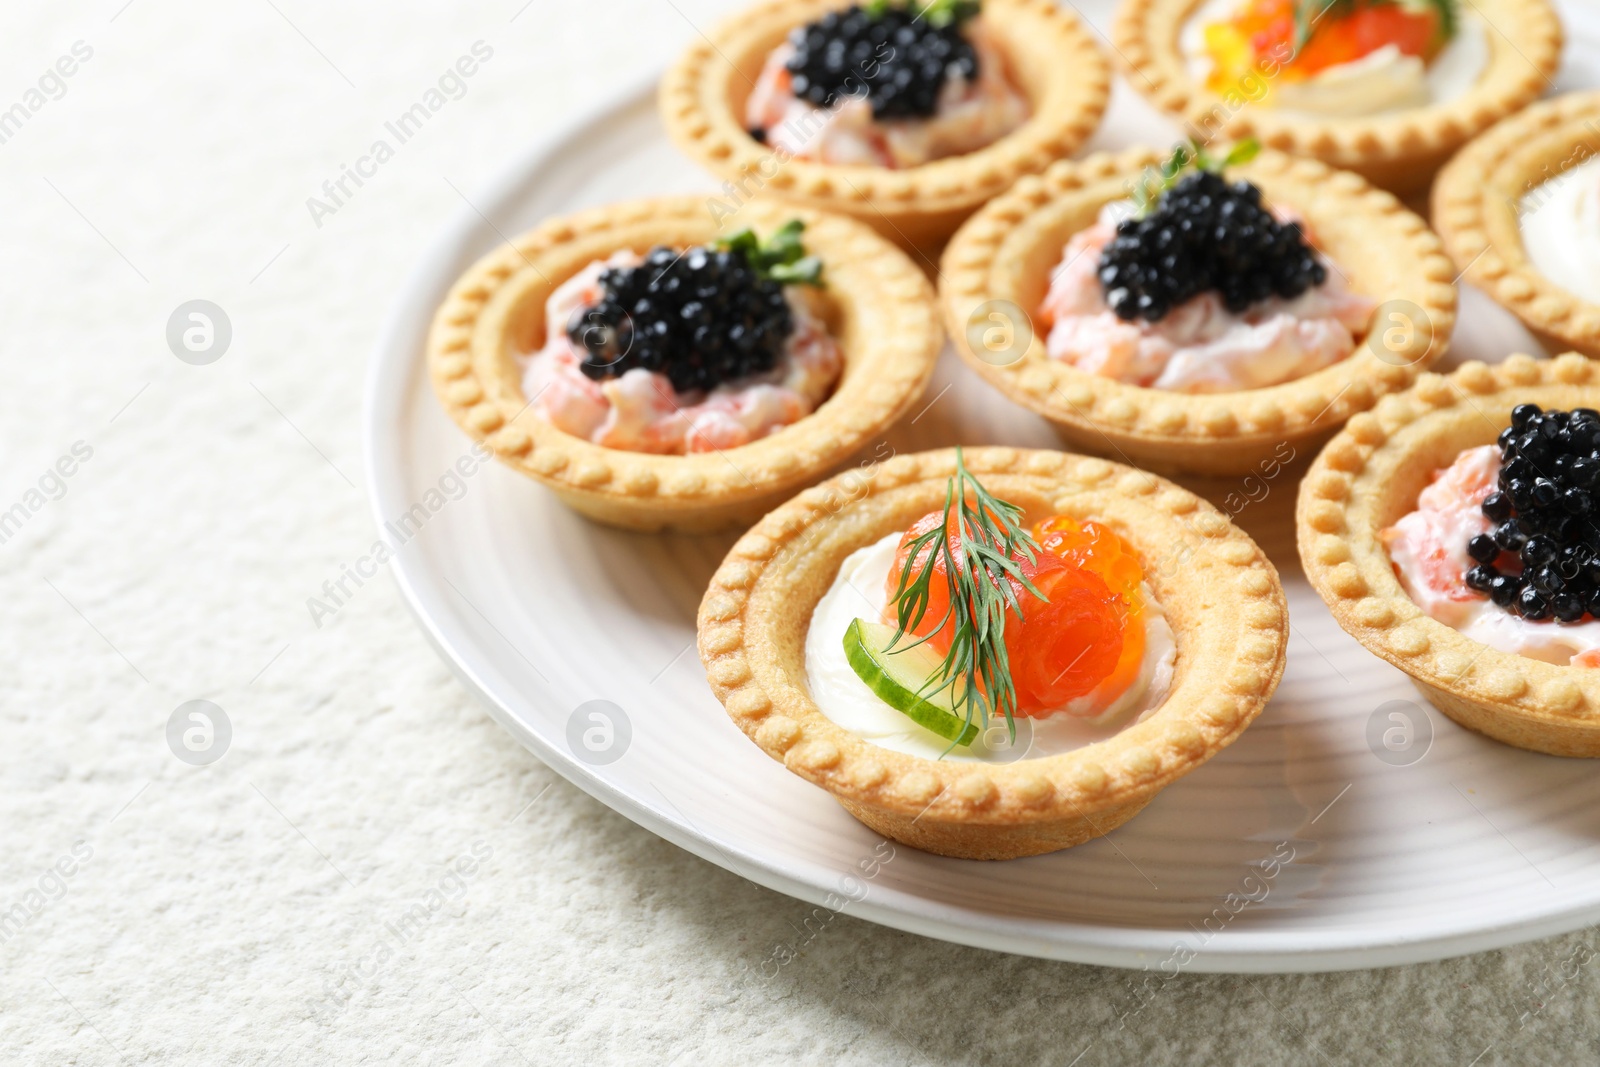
(1476, 206)
(1368, 477)
(1220, 594)
(880, 308)
(1052, 60)
(1001, 262)
(1400, 150)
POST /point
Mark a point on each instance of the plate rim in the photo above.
(390, 376)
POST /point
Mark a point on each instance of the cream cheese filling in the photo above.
(1561, 229)
(858, 592)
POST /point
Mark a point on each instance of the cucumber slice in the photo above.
(896, 677)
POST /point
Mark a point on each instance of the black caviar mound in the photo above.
(900, 58)
(1205, 234)
(703, 317)
(1542, 557)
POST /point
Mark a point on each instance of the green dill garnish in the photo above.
(781, 257)
(939, 13)
(981, 595)
(1155, 181)
(1309, 13)
(1449, 17)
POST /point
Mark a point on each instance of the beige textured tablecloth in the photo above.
(374, 872)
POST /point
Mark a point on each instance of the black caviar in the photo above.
(898, 58)
(1205, 234)
(1541, 558)
(702, 318)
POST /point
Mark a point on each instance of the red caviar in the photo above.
(1266, 30)
(1097, 548)
(1083, 636)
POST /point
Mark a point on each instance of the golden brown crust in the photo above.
(1052, 57)
(1369, 476)
(1476, 208)
(756, 613)
(1398, 151)
(882, 311)
(1008, 249)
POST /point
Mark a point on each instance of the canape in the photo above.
(1197, 312)
(1386, 88)
(1519, 210)
(1452, 531)
(903, 114)
(658, 369)
(994, 653)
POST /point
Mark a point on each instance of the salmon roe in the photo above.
(1083, 635)
(1264, 29)
(1098, 549)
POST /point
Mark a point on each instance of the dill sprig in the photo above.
(939, 13)
(1153, 183)
(781, 257)
(981, 595)
(1309, 13)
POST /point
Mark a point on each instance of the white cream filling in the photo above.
(1561, 229)
(858, 592)
(1384, 80)
(1553, 642)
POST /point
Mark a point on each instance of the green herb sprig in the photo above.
(938, 13)
(1155, 181)
(981, 595)
(781, 257)
(1449, 16)
(1308, 14)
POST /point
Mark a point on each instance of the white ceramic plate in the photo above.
(1447, 844)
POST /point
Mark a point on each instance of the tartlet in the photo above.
(1005, 253)
(880, 309)
(1051, 57)
(1400, 150)
(1369, 476)
(755, 616)
(1477, 209)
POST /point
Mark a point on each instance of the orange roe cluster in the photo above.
(1097, 549)
(1260, 40)
(1083, 636)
